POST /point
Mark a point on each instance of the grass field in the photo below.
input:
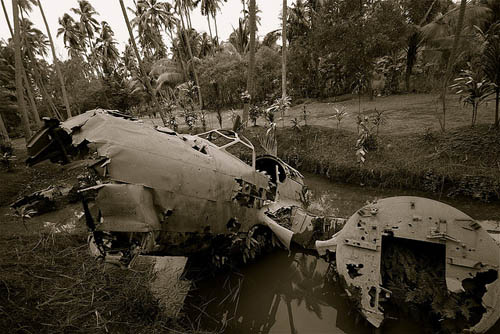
(407, 113)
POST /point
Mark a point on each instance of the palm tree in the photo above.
(283, 51)
(150, 16)
(271, 38)
(3, 130)
(19, 84)
(88, 26)
(141, 65)
(450, 61)
(415, 38)
(26, 81)
(56, 63)
(251, 60)
(491, 61)
(71, 35)
(206, 7)
(171, 23)
(181, 6)
(240, 37)
(106, 48)
(206, 46)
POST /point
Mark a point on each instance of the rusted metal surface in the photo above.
(470, 250)
(162, 193)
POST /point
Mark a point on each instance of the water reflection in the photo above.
(289, 294)
(279, 294)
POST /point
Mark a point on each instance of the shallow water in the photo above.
(288, 294)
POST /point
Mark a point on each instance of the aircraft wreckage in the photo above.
(157, 192)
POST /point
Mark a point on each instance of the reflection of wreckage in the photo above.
(162, 193)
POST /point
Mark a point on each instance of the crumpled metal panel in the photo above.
(126, 208)
(469, 250)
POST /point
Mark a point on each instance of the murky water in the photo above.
(288, 294)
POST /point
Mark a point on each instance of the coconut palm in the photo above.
(149, 18)
(183, 6)
(18, 61)
(26, 80)
(71, 35)
(251, 58)
(56, 62)
(240, 37)
(7, 87)
(207, 8)
(283, 50)
(143, 73)
(214, 15)
(106, 48)
(206, 46)
(434, 32)
(167, 73)
(491, 61)
(210, 8)
(33, 41)
(88, 26)
(271, 39)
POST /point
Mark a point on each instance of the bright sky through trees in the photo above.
(109, 11)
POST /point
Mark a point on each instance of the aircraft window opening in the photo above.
(232, 143)
(272, 168)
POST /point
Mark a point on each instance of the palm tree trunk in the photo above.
(210, 28)
(251, 60)
(141, 65)
(451, 59)
(56, 63)
(188, 19)
(283, 51)
(179, 55)
(34, 109)
(200, 99)
(7, 19)
(3, 129)
(497, 98)
(46, 95)
(19, 82)
(31, 98)
(216, 30)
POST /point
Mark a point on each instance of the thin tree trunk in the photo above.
(200, 99)
(34, 109)
(497, 98)
(56, 63)
(31, 98)
(141, 65)
(19, 82)
(7, 19)
(283, 51)
(451, 59)
(46, 96)
(3, 129)
(179, 55)
(216, 30)
(188, 19)
(251, 60)
(210, 31)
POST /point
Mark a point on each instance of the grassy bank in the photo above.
(50, 284)
(460, 162)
